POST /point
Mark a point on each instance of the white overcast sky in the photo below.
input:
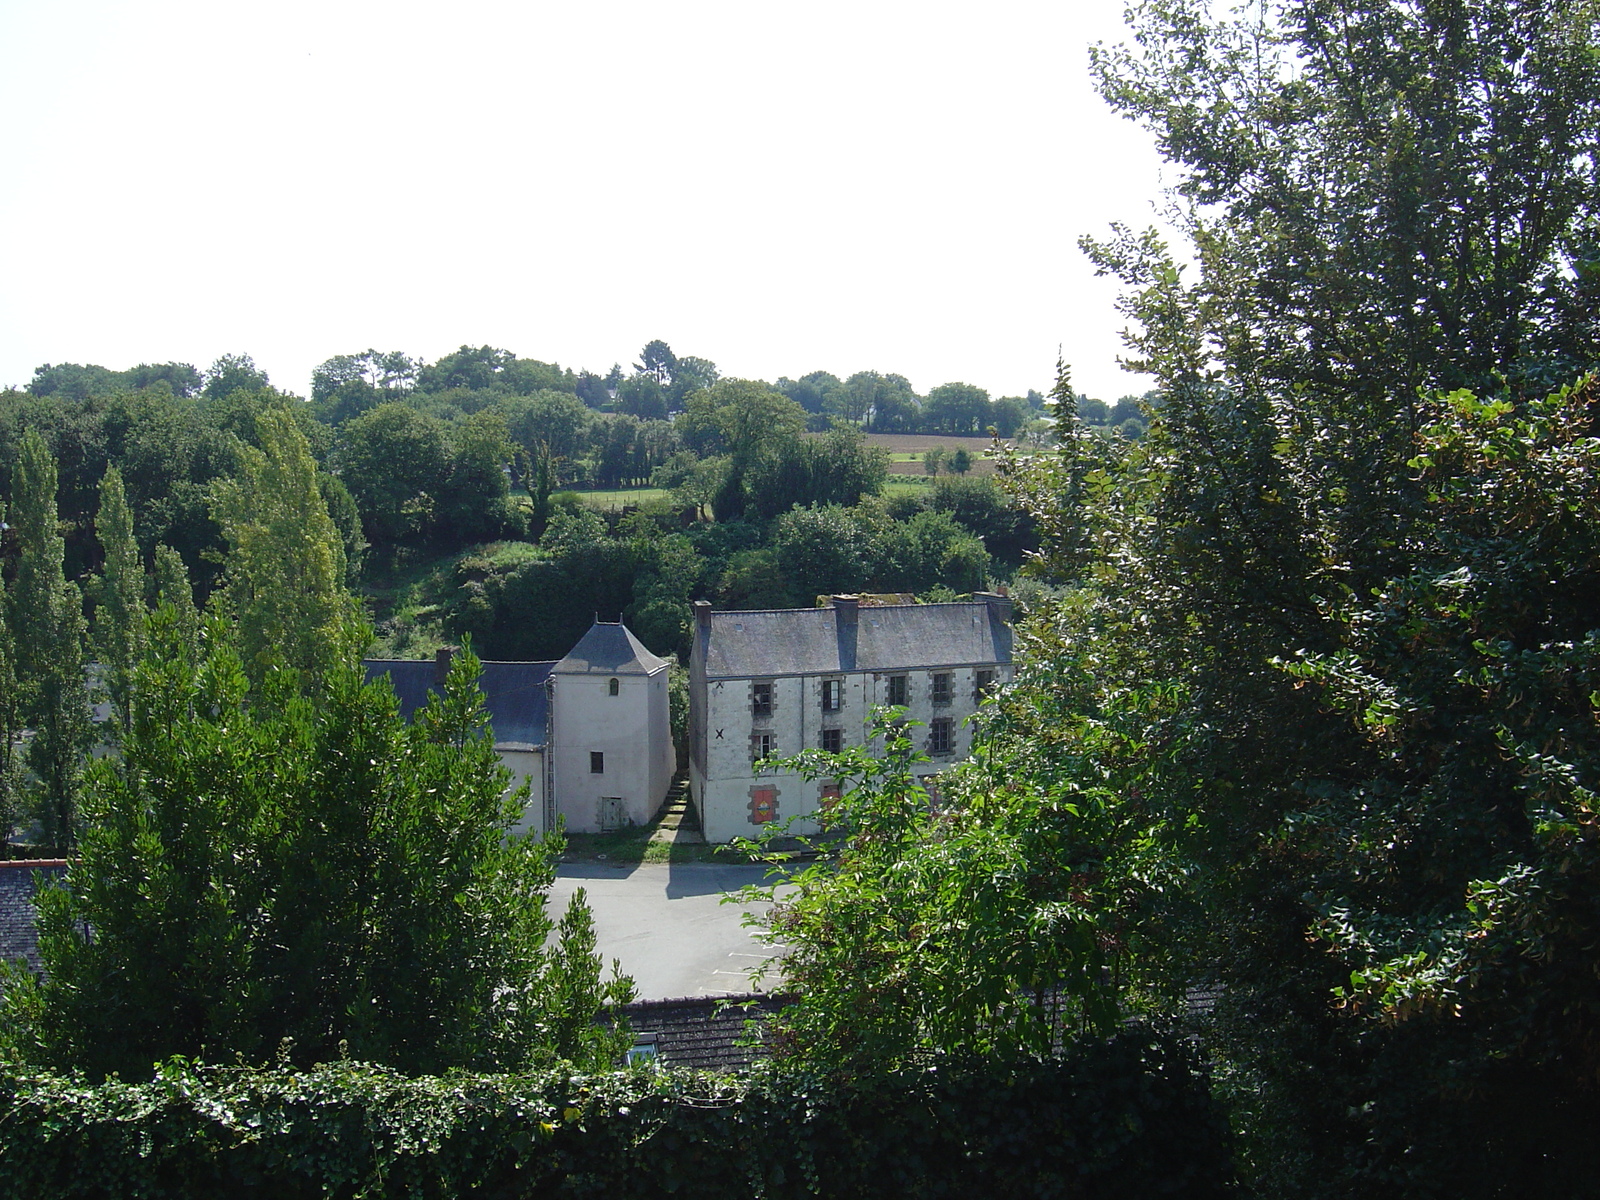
(779, 188)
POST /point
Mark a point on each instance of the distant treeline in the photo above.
(425, 461)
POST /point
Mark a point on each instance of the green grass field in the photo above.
(905, 485)
(615, 498)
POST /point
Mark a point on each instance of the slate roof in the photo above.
(825, 641)
(513, 694)
(609, 649)
(18, 937)
(702, 1033)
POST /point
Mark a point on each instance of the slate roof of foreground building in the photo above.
(842, 638)
(704, 1033)
(513, 694)
(18, 883)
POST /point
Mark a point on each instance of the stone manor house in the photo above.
(764, 685)
(591, 733)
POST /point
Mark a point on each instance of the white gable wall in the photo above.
(526, 766)
(663, 755)
(632, 730)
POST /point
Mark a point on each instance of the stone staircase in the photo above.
(680, 823)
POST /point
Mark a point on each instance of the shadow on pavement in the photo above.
(705, 879)
(590, 869)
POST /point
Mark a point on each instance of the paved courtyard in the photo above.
(667, 925)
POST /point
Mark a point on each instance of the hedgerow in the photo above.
(1125, 1117)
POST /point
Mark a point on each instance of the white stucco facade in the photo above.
(611, 758)
(526, 764)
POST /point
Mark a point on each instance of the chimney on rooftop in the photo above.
(848, 608)
(702, 614)
(441, 664)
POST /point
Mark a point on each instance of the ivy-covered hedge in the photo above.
(1126, 1118)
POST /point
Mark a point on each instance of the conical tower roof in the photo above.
(609, 649)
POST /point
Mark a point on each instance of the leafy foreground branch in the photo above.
(1118, 1118)
(269, 870)
(929, 929)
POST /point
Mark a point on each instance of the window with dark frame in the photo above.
(833, 740)
(898, 690)
(597, 762)
(762, 745)
(982, 684)
(832, 695)
(939, 735)
(941, 688)
(761, 699)
(615, 687)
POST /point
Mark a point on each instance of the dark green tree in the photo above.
(1007, 415)
(930, 931)
(826, 549)
(555, 420)
(643, 397)
(119, 615)
(475, 367)
(740, 417)
(980, 506)
(837, 468)
(1386, 200)
(957, 408)
(896, 408)
(591, 389)
(811, 390)
(233, 373)
(73, 381)
(348, 385)
(49, 635)
(657, 361)
(11, 792)
(312, 877)
(473, 505)
(286, 568)
(173, 590)
(690, 374)
(927, 551)
(396, 463)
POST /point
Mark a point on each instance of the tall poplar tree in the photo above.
(286, 563)
(10, 719)
(174, 588)
(119, 619)
(48, 629)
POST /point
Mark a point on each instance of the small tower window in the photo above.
(614, 686)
